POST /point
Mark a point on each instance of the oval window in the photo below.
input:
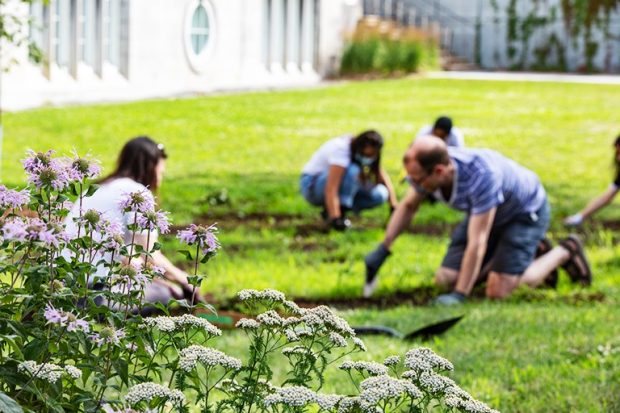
(199, 31)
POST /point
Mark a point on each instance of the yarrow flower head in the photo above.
(47, 371)
(424, 359)
(139, 201)
(379, 388)
(154, 221)
(12, 199)
(146, 392)
(294, 396)
(203, 236)
(391, 361)
(169, 324)
(73, 372)
(194, 354)
(247, 324)
(369, 367)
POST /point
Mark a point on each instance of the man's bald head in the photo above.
(427, 151)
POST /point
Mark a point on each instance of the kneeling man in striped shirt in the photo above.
(507, 217)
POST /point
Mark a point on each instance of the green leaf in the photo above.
(8, 405)
(91, 190)
(188, 255)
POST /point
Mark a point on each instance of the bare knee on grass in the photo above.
(446, 277)
(501, 285)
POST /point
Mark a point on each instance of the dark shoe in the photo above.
(544, 246)
(577, 266)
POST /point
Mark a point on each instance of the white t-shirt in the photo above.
(455, 137)
(106, 200)
(335, 151)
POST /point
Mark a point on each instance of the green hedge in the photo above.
(387, 56)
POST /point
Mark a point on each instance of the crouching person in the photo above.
(507, 217)
(345, 174)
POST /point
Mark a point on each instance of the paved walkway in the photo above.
(528, 77)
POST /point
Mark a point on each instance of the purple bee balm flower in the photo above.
(157, 270)
(107, 335)
(79, 325)
(10, 198)
(81, 169)
(53, 316)
(14, 230)
(49, 238)
(139, 201)
(50, 178)
(37, 160)
(204, 236)
(154, 221)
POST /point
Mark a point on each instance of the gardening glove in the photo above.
(574, 220)
(340, 224)
(374, 261)
(453, 298)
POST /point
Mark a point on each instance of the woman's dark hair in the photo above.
(368, 138)
(138, 160)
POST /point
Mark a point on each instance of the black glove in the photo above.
(340, 224)
(374, 261)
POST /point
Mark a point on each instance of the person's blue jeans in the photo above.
(353, 193)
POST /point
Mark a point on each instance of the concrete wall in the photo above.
(494, 42)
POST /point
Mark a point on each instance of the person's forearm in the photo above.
(172, 272)
(597, 203)
(402, 216)
(332, 203)
(385, 180)
(470, 267)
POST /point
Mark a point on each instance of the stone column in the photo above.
(307, 35)
(293, 35)
(276, 41)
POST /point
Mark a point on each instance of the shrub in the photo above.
(61, 350)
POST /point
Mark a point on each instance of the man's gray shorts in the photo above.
(511, 247)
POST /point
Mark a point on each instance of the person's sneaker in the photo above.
(544, 246)
(577, 266)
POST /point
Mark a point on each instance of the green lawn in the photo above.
(538, 352)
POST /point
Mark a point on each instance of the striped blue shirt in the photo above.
(485, 179)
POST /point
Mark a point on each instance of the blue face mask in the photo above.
(365, 160)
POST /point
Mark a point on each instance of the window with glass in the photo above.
(200, 29)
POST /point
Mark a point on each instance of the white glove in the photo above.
(574, 220)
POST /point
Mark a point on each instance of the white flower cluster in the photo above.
(328, 401)
(469, 405)
(270, 319)
(46, 371)
(424, 359)
(357, 342)
(247, 324)
(376, 389)
(294, 396)
(291, 335)
(433, 382)
(192, 355)
(391, 361)
(268, 295)
(73, 372)
(356, 405)
(145, 392)
(370, 367)
(337, 339)
(169, 324)
(322, 317)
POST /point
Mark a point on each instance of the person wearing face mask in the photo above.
(345, 174)
(507, 217)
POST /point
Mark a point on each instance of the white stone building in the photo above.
(111, 50)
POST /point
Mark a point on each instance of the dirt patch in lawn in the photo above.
(302, 225)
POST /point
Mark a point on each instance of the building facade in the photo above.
(111, 50)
